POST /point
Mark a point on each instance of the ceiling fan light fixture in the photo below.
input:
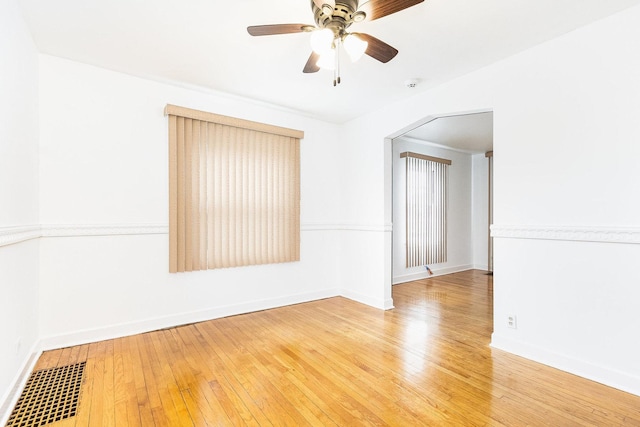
(327, 60)
(322, 41)
(355, 46)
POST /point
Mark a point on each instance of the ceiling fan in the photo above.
(333, 18)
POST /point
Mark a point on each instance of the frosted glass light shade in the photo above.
(355, 47)
(327, 60)
(322, 41)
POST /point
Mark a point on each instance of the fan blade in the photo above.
(376, 9)
(378, 49)
(311, 65)
(269, 30)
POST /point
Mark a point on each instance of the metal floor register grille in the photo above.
(50, 395)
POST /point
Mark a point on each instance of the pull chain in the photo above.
(336, 69)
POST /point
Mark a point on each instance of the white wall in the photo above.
(365, 268)
(565, 166)
(480, 210)
(104, 165)
(566, 134)
(459, 212)
(18, 198)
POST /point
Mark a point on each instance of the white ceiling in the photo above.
(205, 43)
(470, 133)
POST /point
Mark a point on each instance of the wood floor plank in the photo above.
(108, 393)
(273, 370)
(347, 377)
(162, 407)
(97, 355)
(363, 371)
(335, 362)
(228, 393)
(48, 359)
(86, 395)
(65, 356)
(169, 389)
(120, 383)
(135, 373)
(239, 360)
(204, 399)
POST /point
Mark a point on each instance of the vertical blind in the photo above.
(234, 192)
(426, 209)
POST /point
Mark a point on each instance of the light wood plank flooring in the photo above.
(335, 362)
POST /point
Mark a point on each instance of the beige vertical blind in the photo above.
(426, 209)
(234, 192)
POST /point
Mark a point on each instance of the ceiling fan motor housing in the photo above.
(345, 13)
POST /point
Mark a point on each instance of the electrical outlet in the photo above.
(18, 345)
(512, 321)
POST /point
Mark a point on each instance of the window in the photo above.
(426, 199)
(234, 191)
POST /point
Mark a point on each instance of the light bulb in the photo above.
(321, 40)
(355, 46)
(327, 60)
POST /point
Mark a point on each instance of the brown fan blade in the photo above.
(311, 65)
(269, 30)
(378, 49)
(376, 9)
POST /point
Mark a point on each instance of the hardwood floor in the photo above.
(337, 362)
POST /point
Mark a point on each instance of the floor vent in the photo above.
(50, 395)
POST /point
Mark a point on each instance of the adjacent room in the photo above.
(203, 219)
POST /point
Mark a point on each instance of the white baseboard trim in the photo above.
(11, 396)
(603, 375)
(381, 304)
(132, 328)
(425, 274)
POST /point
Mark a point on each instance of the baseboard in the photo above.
(10, 398)
(425, 274)
(364, 299)
(603, 375)
(132, 328)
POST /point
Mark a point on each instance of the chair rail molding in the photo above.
(79, 230)
(18, 234)
(323, 226)
(630, 235)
